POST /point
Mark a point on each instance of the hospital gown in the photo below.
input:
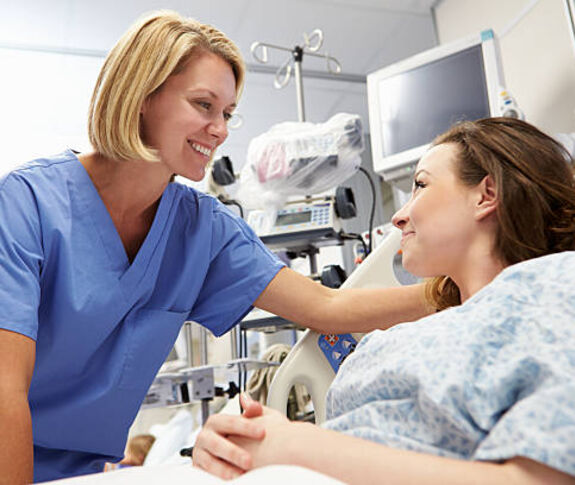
(491, 379)
(104, 325)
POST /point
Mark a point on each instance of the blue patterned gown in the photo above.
(489, 380)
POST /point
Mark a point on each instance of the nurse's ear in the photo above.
(144, 108)
(486, 198)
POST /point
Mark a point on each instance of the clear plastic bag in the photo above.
(300, 159)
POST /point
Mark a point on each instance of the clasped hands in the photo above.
(230, 445)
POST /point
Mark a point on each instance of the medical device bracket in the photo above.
(169, 389)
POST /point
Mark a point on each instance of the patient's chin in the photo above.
(417, 269)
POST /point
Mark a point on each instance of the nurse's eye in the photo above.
(204, 105)
(228, 116)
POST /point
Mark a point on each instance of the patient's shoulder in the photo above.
(542, 282)
(548, 266)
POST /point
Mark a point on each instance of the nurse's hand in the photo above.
(215, 453)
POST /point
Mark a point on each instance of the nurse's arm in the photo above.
(308, 303)
(17, 355)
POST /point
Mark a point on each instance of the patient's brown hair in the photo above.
(535, 189)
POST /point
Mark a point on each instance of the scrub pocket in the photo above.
(152, 334)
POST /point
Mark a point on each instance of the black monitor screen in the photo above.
(419, 104)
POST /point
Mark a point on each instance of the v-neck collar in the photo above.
(94, 205)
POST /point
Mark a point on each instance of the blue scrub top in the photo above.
(103, 326)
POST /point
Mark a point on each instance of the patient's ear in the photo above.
(487, 200)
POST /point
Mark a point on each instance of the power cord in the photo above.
(372, 213)
(353, 235)
(225, 200)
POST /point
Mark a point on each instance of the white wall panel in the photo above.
(44, 101)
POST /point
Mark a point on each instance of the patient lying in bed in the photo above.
(491, 379)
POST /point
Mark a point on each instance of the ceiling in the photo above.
(363, 35)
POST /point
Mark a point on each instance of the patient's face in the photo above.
(437, 222)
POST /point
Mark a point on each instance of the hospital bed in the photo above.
(306, 363)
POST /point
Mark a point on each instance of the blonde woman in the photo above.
(103, 257)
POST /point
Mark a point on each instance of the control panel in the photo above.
(336, 348)
(301, 223)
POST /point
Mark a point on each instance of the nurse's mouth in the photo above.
(200, 148)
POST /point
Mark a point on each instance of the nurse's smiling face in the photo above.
(438, 220)
(186, 119)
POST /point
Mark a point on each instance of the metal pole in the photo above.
(298, 57)
(189, 343)
(203, 346)
(204, 361)
(313, 262)
(234, 338)
(205, 410)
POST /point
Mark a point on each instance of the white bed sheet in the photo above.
(181, 474)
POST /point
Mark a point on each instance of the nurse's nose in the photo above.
(218, 128)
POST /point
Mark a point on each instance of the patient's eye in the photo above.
(418, 184)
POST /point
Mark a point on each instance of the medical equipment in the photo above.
(220, 176)
(297, 225)
(297, 158)
(312, 44)
(173, 388)
(307, 363)
(508, 106)
(414, 100)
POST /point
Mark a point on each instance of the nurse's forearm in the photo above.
(325, 310)
(16, 449)
(363, 310)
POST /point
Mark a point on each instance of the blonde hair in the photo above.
(535, 188)
(153, 49)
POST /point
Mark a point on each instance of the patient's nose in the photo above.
(400, 218)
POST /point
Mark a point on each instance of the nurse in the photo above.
(103, 256)
(481, 392)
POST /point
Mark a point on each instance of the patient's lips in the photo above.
(405, 235)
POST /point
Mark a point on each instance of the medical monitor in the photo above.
(414, 100)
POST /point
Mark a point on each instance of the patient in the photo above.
(482, 391)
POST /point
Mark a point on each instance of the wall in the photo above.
(537, 55)
(44, 103)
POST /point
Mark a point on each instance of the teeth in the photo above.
(201, 149)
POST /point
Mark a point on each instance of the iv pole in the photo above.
(312, 44)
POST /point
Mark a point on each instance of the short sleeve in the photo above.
(21, 257)
(241, 267)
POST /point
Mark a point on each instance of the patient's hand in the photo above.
(271, 449)
(216, 453)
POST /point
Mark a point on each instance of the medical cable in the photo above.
(372, 212)
(354, 235)
(226, 201)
